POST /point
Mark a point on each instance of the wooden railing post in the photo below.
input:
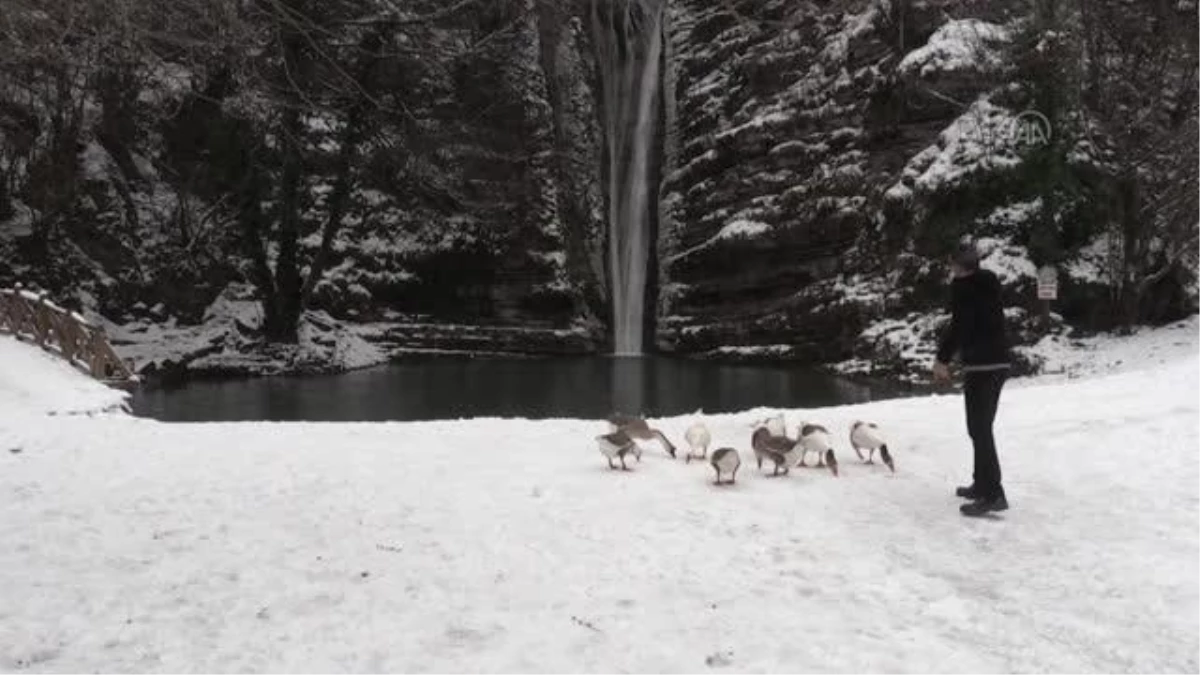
(34, 317)
(4, 320)
(95, 363)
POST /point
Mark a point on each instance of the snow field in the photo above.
(508, 545)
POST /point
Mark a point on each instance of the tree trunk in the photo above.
(1131, 254)
(339, 199)
(352, 135)
(287, 266)
(253, 221)
(287, 272)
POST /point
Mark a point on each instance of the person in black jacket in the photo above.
(976, 333)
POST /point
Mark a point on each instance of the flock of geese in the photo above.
(769, 441)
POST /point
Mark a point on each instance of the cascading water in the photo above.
(629, 43)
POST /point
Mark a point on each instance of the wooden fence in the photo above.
(32, 317)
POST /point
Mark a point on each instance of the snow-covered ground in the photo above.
(508, 545)
(34, 382)
(1064, 357)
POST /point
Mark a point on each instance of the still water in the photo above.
(449, 388)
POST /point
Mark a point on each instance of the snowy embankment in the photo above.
(35, 382)
(132, 545)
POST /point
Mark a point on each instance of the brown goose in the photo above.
(617, 444)
(639, 430)
(781, 450)
(726, 460)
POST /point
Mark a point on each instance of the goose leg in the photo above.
(610, 464)
(859, 453)
(623, 467)
(871, 457)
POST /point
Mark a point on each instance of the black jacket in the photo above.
(976, 329)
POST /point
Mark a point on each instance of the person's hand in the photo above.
(941, 372)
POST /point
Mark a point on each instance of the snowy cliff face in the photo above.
(821, 159)
(795, 128)
(766, 187)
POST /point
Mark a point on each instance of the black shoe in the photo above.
(969, 492)
(984, 506)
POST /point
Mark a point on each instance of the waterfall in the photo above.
(629, 43)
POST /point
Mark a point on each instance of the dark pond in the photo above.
(448, 388)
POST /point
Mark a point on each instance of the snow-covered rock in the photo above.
(961, 44)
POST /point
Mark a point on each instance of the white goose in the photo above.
(774, 424)
(698, 438)
(815, 438)
(867, 436)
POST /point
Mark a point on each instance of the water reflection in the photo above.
(446, 388)
(629, 384)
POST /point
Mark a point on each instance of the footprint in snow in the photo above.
(719, 660)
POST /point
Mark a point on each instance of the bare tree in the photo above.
(304, 77)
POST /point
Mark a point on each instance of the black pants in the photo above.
(981, 393)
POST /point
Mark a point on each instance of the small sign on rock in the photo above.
(1047, 287)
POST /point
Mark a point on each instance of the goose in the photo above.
(867, 436)
(726, 460)
(782, 451)
(638, 429)
(774, 424)
(616, 444)
(815, 438)
(697, 436)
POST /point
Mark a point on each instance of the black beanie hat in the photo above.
(966, 255)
